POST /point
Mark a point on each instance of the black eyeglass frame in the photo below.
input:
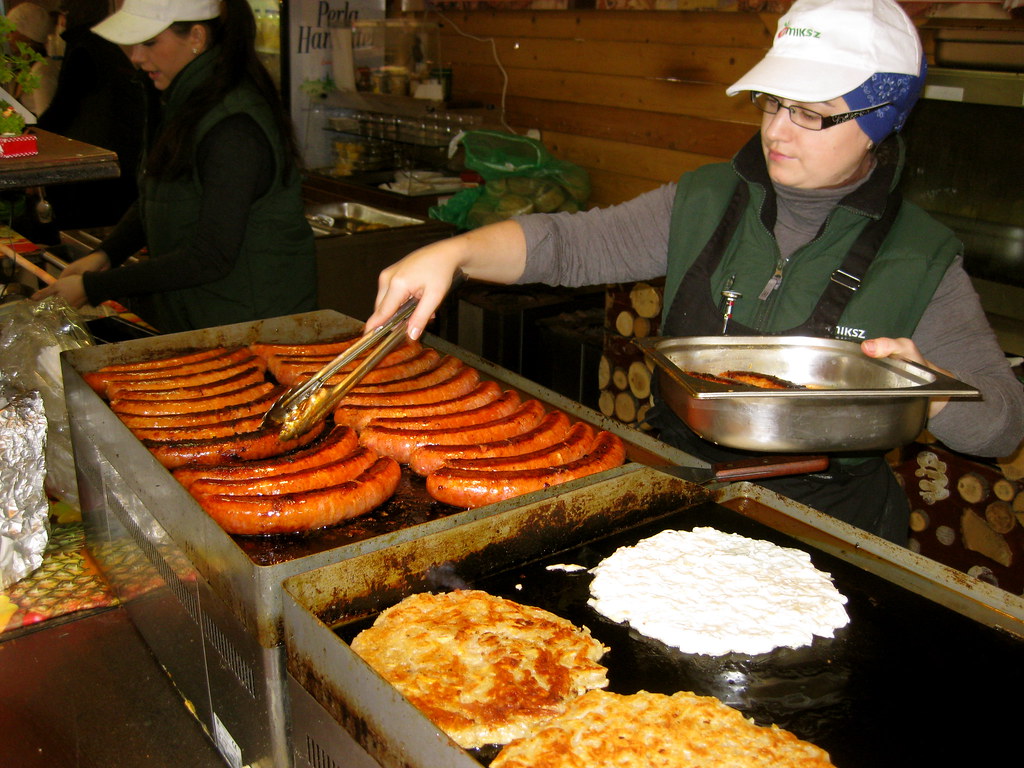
(827, 121)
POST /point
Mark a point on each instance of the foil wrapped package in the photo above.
(32, 337)
(24, 528)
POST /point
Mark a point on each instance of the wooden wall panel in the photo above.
(634, 97)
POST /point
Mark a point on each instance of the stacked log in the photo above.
(632, 311)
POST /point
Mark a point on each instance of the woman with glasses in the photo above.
(805, 225)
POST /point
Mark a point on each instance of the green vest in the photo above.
(275, 273)
(893, 293)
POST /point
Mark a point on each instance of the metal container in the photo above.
(347, 218)
(210, 605)
(921, 637)
(851, 402)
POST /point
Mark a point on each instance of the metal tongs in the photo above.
(304, 404)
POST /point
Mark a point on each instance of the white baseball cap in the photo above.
(141, 20)
(825, 48)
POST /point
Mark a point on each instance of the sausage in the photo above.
(99, 380)
(328, 349)
(186, 378)
(244, 377)
(443, 371)
(308, 510)
(244, 393)
(501, 406)
(389, 369)
(339, 442)
(471, 488)
(171, 361)
(260, 405)
(358, 416)
(399, 444)
(226, 428)
(288, 369)
(340, 470)
(551, 429)
(576, 443)
(261, 444)
(463, 381)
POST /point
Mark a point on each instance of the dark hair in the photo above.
(235, 34)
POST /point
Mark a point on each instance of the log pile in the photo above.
(632, 310)
(966, 514)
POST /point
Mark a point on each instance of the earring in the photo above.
(195, 51)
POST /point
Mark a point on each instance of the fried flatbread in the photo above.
(484, 669)
(654, 730)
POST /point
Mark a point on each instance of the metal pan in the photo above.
(851, 402)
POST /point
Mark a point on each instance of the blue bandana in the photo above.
(901, 90)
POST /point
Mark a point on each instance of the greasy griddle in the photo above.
(907, 682)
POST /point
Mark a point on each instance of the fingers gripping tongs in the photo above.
(308, 402)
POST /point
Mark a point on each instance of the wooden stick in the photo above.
(24, 263)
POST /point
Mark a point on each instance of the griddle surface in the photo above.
(907, 683)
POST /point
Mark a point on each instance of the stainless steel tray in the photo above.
(348, 218)
(851, 402)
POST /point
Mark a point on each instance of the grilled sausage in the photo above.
(395, 365)
(399, 443)
(551, 429)
(200, 361)
(358, 416)
(339, 442)
(261, 444)
(170, 361)
(227, 428)
(308, 510)
(329, 349)
(470, 488)
(244, 377)
(244, 393)
(184, 377)
(340, 470)
(576, 444)
(463, 381)
(499, 407)
(443, 371)
(260, 405)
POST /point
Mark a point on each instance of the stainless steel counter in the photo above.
(87, 692)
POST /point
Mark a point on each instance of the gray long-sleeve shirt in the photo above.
(629, 242)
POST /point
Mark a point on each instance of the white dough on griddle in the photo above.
(709, 592)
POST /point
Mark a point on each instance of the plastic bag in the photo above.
(32, 336)
(521, 176)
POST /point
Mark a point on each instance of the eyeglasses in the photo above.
(807, 118)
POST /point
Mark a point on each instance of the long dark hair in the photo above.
(235, 33)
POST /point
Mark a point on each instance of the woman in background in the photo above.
(220, 208)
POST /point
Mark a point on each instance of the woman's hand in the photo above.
(495, 253)
(906, 349)
(70, 285)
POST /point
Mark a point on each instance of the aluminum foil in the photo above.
(24, 524)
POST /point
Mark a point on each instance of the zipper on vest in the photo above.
(767, 295)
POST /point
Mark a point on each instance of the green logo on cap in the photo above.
(798, 32)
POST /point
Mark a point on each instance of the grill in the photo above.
(209, 604)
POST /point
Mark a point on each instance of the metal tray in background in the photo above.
(851, 402)
(348, 218)
(929, 664)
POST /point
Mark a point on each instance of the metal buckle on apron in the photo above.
(853, 284)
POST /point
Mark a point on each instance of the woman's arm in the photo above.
(624, 242)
